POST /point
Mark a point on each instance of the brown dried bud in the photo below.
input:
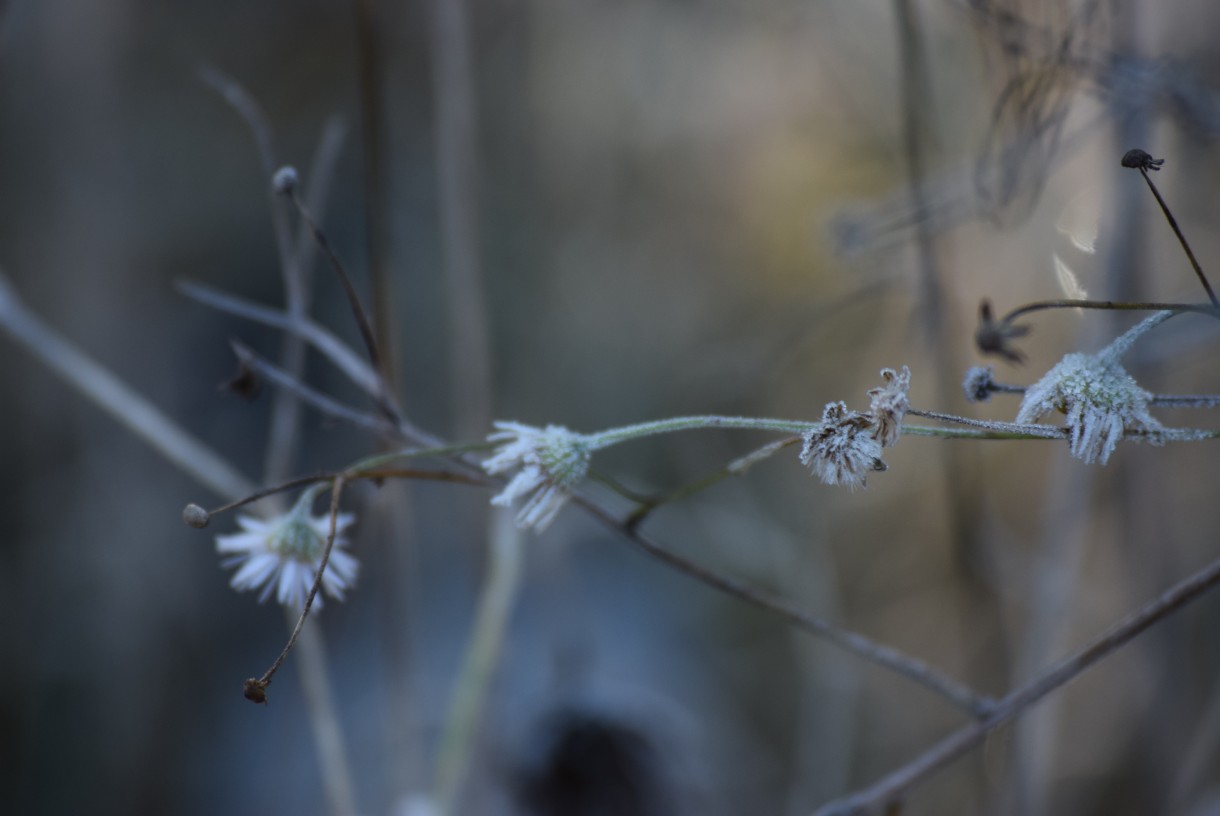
(255, 691)
(993, 336)
(1141, 160)
(245, 383)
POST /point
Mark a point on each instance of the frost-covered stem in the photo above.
(1047, 432)
(1020, 430)
(1123, 343)
(496, 598)
(1185, 400)
(890, 789)
(613, 436)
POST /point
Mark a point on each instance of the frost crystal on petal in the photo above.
(889, 404)
(1102, 403)
(550, 462)
(843, 448)
(283, 554)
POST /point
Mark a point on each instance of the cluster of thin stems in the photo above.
(460, 464)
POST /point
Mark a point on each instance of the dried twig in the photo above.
(888, 791)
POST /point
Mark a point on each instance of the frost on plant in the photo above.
(846, 445)
(843, 448)
(1102, 403)
(285, 552)
(978, 383)
(550, 462)
(889, 404)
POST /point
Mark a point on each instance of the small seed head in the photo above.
(195, 516)
(1141, 160)
(284, 182)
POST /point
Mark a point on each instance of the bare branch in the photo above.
(328, 406)
(331, 347)
(888, 791)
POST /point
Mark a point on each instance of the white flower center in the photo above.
(296, 539)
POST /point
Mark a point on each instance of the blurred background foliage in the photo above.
(685, 207)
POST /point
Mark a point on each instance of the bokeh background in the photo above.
(594, 213)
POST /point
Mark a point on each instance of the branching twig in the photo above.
(327, 405)
(888, 791)
(952, 690)
(321, 338)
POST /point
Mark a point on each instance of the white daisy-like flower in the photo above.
(552, 462)
(889, 404)
(844, 448)
(1102, 403)
(284, 554)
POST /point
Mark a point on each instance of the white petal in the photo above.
(258, 569)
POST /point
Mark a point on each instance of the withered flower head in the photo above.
(994, 336)
(842, 448)
(1141, 160)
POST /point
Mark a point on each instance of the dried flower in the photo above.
(979, 383)
(1101, 401)
(993, 336)
(1140, 160)
(285, 553)
(843, 448)
(889, 404)
(552, 461)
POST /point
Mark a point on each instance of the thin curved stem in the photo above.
(256, 689)
(1141, 306)
(889, 790)
(613, 436)
(1173, 224)
(954, 691)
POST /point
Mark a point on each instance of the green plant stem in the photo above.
(613, 436)
(496, 598)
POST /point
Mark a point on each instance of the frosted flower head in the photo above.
(889, 404)
(978, 383)
(550, 462)
(1101, 402)
(284, 553)
(843, 448)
